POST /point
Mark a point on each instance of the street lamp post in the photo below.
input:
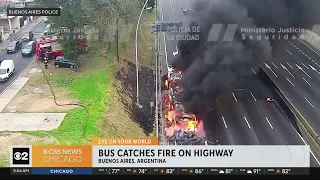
(137, 65)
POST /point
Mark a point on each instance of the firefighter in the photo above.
(30, 36)
(46, 60)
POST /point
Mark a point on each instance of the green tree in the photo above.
(68, 24)
(151, 3)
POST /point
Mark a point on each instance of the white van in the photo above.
(6, 69)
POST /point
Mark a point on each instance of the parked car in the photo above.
(29, 49)
(14, 46)
(61, 62)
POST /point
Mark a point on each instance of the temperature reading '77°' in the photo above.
(115, 171)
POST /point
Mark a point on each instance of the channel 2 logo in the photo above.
(20, 156)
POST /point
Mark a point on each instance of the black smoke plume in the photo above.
(213, 69)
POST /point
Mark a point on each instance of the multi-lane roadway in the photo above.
(20, 62)
(243, 117)
(295, 69)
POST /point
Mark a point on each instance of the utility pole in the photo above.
(117, 40)
(137, 65)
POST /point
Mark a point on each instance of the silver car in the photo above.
(25, 37)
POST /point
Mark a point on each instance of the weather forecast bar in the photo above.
(160, 171)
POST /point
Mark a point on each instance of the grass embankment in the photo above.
(4, 162)
(95, 88)
(146, 40)
(92, 86)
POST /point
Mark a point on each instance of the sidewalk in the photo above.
(18, 34)
(30, 121)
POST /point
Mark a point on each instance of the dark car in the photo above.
(29, 49)
(14, 46)
(61, 62)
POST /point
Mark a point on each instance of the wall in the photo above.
(311, 37)
(15, 23)
(4, 23)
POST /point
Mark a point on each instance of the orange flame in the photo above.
(166, 83)
(192, 125)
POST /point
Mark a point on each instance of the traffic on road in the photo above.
(250, 114)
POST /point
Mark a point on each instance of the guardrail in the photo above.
(296, 118)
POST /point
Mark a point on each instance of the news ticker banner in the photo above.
(159, 171)
(144, 152)
(33, 11)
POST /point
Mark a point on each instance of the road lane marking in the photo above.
(309, 102)
(253, 96)
(306, 145)
(174, 17)
(300, 68)
(254, 71)
(267, 66)
(306, 73)
(165, 50)
(165, 42)
(269, 122)
(289, 81)
(284, 67)
(274, 65)
(289, 52)
(176, 52)
(234, 96)
(296, 129)
(277, 53)
(306, 81)
(245, 118)
(224, 122)
(289, 65)
(309, 47)
(304, 65)
(313, 60)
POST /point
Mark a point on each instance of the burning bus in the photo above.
(181, 126)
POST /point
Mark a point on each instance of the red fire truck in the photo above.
(49, 45)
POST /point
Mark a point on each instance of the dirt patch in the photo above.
(126, 75)
(11, 139)
(36, 96)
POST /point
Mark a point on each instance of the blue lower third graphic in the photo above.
(64, 171)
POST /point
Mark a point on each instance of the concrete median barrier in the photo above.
(296, 118)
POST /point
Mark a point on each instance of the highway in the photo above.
(20, 62)
(296, 70)
(242, 117)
